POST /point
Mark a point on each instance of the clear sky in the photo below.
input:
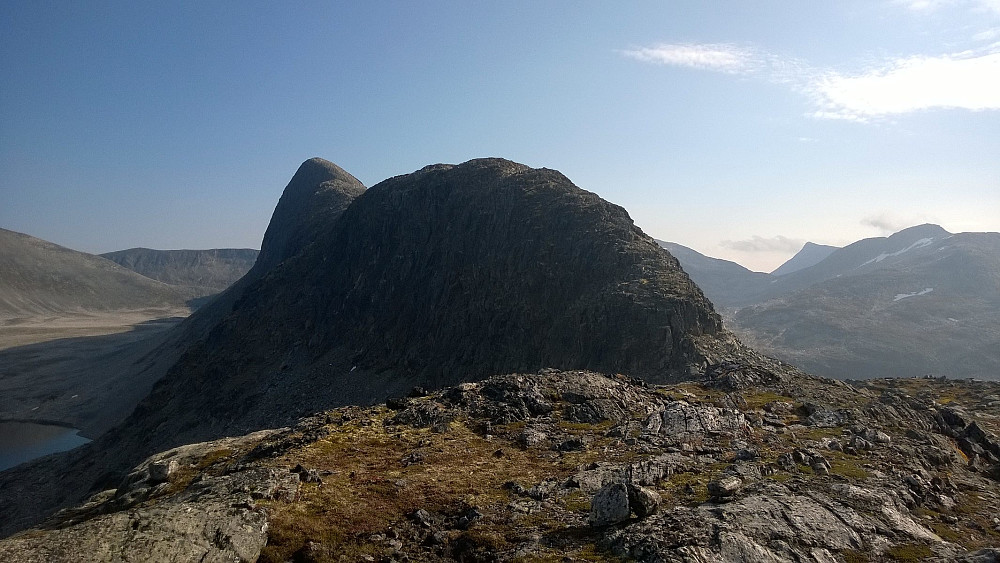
(740, 129)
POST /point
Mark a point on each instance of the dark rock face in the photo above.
(490, 267)
(316, 195)
(448, 274)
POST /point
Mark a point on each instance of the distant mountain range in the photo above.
(41, 278)
(920, 301)
(810, 255)
(38, 277)
(201, 272)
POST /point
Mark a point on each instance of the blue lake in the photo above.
(24, 441)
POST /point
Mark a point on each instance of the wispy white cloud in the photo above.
(721, 57)
(969, 80)
(987, 35)
(883, 223)
(964, 81)
(933, 5)
(923, 5)
(761, 244)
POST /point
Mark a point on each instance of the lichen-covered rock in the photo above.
(680, 420)
(160, 471)
(610, 505)
(215, 519)
(772, 494)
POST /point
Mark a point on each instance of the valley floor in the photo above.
(72, 369)
(22, 331)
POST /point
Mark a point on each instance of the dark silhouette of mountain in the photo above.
(203, 272)
(810, 255)
(449, 274)
(42, 278)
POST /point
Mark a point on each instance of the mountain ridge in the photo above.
(449, 274)
(202, 272)
(919, 301)
(809, 255)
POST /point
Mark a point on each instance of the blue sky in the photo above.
(740, 129)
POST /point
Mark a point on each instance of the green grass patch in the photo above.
(369, 489)
(852, 556)
(757, 400)
(909, 552)
(847, 467)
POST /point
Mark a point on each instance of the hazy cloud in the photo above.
(889, 224)
(987, 35)
(932, 5)
(721, 57)
(760, 244)
(923, 5)
(965, 81)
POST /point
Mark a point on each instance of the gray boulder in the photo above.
(610, 505)
(725, 487)
(643, 501)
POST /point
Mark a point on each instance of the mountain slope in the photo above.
(449, 274)
(41, 278)
(726, 283)
(204, 272)
(809, 255)
(861, 257)
(929, 305)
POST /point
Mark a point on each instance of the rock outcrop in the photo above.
(446, 476)
(449, 274)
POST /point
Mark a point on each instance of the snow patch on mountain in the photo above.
(924, 291)
(918, 244)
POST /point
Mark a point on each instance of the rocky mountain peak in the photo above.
(318, 191)
(809, 255)
(912, 234)
(449, 274)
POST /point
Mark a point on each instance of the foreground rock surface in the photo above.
(688, 472)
